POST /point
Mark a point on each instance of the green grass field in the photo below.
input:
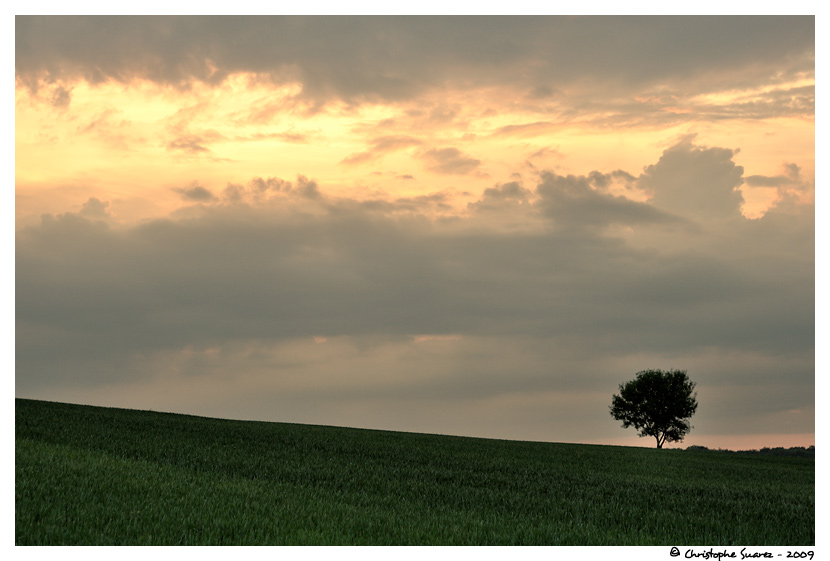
(89, 475)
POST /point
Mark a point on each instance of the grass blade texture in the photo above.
(91, 475)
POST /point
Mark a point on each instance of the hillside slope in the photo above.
(92, 475)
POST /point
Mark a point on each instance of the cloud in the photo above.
(790, 184)
(259, 191)
(419, 311)
(359, 158)
(307, 188)
(61, 97)
(433, 205)
(501, 196)
(543, 153)
(699, 182)
(350, 269)
(363, 58)
(449, 161)
(580, 202)
(527, 129)
(94, 208)
(541, 92)
(780, 102)
(195, 193)
(189, 143)
(765, 181)
(293, 138)
(792, 191)
(394, 142)
(112, 132)
(382, 145)
(510, 191)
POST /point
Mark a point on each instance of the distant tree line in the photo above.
(796, 451)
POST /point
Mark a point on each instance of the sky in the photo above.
(476, 226)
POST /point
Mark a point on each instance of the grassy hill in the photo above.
(92, 475)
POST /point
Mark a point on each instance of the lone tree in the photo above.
(657, 404)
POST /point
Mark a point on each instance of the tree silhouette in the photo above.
(657, 404)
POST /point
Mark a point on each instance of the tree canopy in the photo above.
(657, 404)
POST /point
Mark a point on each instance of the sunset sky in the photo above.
(460, 225)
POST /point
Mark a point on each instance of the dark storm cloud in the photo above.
(391, 58)
(298, 264)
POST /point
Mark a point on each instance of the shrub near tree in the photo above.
(657, 404)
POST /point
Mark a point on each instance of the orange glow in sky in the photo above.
(134, 142)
